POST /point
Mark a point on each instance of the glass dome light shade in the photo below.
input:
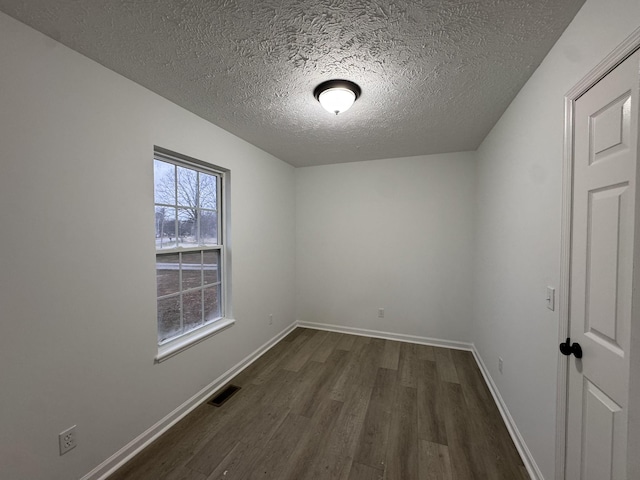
(337, 100)
(337, 96)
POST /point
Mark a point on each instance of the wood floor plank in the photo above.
(470, 376)
(487, 442)
(256, 425)
(466, 463)
(431, 426)
(434, 462)
(302, 356)
(498, 451)
(385, 388)
(261, 427)
(364, 472)
(408, 365)
(272, 355)
(207, 458)
(329, 344)
(346, 342)
(297, 347)
(269, 370)
(357, 402)
(318, 433)
(203, 450)
(372, 445)
(366, 366)
(275, 455)
(253, 436)
(300, 394)
(331, 406)
(426, 352)
(391, 355)
(280, 390)
(173, 449)
(184, 473)
(349, 376)
(291, 336)
(319, 386)
(402, 452)
(446, 367)
(333, 459)
(238, 464)
(152, 462)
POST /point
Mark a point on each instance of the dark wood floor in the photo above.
(324, 405)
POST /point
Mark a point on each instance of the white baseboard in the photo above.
(521, 446)
(126, 453)
(528, 460)
(401, 337)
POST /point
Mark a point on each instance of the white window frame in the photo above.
(180, 343)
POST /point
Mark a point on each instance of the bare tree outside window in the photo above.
(186, 206)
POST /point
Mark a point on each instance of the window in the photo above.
(190, 256)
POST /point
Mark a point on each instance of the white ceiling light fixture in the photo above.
(337, 96)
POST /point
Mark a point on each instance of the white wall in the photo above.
(518, 237)
(77, 278)
(77, 289)
(394, 234)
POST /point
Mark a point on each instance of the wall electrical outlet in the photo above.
(381, 313)
(500, 362)
(271, 319)
(67, 440)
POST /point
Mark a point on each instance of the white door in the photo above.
(602, 250)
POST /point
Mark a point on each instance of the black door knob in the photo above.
(567, 348)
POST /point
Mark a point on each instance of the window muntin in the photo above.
(189, 250)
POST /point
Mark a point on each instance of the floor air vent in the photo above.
(224, 395)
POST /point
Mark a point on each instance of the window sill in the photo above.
(178, 345)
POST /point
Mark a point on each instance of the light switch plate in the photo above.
(551, 298)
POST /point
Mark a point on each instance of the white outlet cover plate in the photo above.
(67, 440)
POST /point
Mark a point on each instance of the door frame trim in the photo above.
(610, 62)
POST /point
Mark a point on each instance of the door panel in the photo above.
(610, 129)
(606, 208)
(603, 212)
(599, 432)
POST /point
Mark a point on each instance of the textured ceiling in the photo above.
(435, 75)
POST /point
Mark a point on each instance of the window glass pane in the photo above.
(165, 227)
(186, 216)
(211, 266)
(168, 318)
(191, 270)
(212, 303)
(164, 175)
(187, 187)
(167, 274)
(187, 227)
(208, 227)
(208, 191)
(192, 309)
